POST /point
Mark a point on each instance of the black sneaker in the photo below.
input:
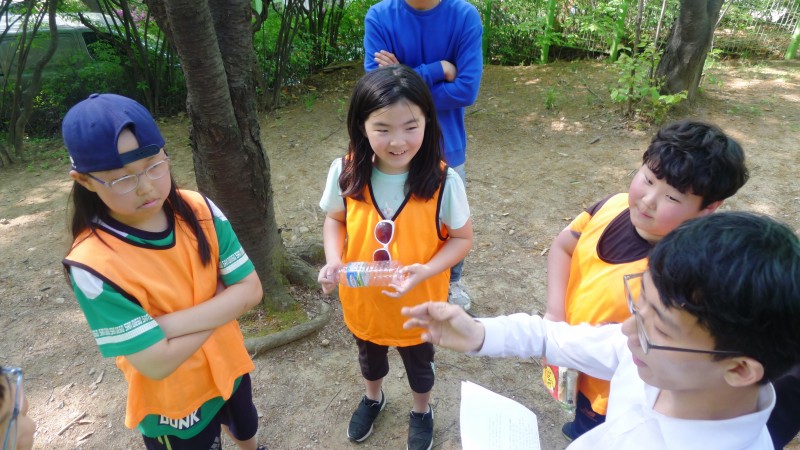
(566, 430)
(361, 423)
(420, 430)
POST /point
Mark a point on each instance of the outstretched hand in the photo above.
(445, 325)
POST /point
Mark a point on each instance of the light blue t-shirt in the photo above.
(390, 192)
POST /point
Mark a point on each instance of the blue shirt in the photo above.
(451, 31)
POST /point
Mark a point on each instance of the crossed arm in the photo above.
(385, 58)
(186, 330)
(458, 82)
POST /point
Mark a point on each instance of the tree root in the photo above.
(260, 344)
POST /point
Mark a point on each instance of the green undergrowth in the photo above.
(261, 321)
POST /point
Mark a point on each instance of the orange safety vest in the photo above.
(418, 236)
(595, 292)
(162, 281)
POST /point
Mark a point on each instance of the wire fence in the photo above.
(756, 29)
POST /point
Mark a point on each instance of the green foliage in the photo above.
(517, 30)
(309, 100)
(69, 84)
(261, 321)
(600, 18)
(71, 6)
(302, 58)
(45, 154)
(148, 71)
(266, 41)
(638, 92)
(350, 41)
(153, 73)
(794, 44)
(550, 100)
(709, 68)
(310, 51)
(341, 109)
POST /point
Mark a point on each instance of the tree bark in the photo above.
(24, 96)
(213, 40)
(687, 46)
(791, 51)
(619, 30)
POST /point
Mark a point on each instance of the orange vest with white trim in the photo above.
(162, 281)
(595, 292)
(418, 236)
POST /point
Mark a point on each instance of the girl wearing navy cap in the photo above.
(161, 279)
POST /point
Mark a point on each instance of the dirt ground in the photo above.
(530, 169)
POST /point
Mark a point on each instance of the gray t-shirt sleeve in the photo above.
(331, 201)
(455, 208)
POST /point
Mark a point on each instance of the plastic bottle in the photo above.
(370, 273)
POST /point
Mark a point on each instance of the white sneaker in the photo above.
(459, 296)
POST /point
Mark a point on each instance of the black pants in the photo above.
(585, 417)
(784, 422)
(418, 360)
(238, 414)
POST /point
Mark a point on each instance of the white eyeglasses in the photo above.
(14, 377)
(128, 183)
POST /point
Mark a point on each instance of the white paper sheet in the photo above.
(491, 421)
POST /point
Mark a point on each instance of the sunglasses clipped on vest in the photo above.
(382, 270)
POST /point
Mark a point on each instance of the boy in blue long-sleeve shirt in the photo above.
(442, 41)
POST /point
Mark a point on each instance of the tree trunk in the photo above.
(548, 31)
(791, 51)
(619, 30)
(5, 158)
(488, 32)
(687, 46)
(23, 105)
(214, 42)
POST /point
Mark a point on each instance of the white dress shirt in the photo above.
(631, 421)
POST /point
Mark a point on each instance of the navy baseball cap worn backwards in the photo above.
(91, 130)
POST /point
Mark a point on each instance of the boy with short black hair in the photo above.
(717, 319)
(687, 171)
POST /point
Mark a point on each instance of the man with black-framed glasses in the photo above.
(16, 428)
(717, 319)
